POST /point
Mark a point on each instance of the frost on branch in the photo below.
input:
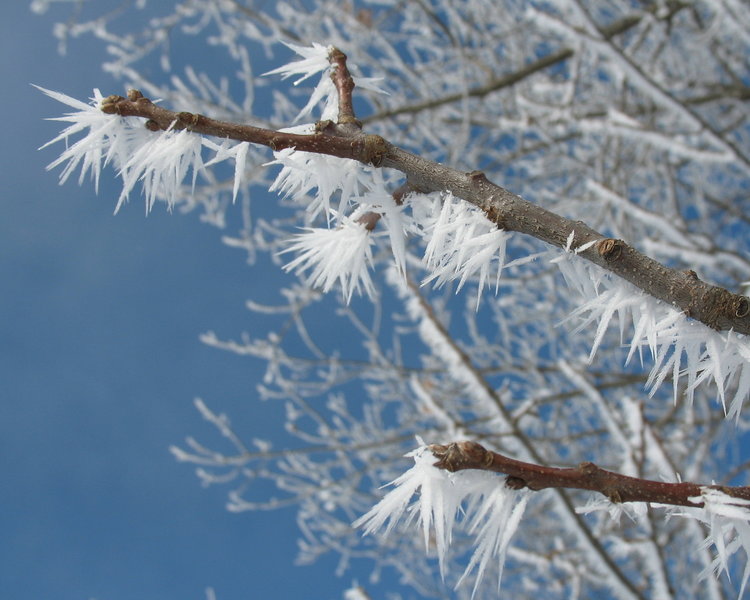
(315, 59)
(476, 501)
(159, 161)
(103, 143)
(461, 242)
(329, 256)
(727, 520)
(680, 347)
(341, 252)
(304, 172)
(161, 164)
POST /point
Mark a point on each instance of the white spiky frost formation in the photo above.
(160, 162)
(461, 243)
(477, 500)
(328, 256)
(727, 522)
(680, 346)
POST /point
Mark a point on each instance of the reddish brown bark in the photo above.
(586, 476)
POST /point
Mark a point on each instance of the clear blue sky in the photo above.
(99, 364)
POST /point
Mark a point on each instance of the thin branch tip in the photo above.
(344, 83)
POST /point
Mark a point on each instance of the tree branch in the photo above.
(586, 476)
(509, 79)
(365, 148)
(344, 83)
(715, 306)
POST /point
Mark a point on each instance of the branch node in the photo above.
(610, 249)
(692, 274)
(719, 307)
(491, 209)
(515, 483)
(461, 455)
(587, 468)
(134, 95)
(375, 149)
(110, 104)
(477, 178)
(188, 119)
(449, 457)
(742, 307)
(324, 125)
(152, 125)
(369, 220)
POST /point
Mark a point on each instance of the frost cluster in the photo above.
(679, 346)
(160, 162)
(478, 501)
(727, 522)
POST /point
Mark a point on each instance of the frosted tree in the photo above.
(514, 231)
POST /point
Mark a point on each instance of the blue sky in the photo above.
(99, 365)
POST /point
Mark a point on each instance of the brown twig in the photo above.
(365, 148)
(586, 476)
(344, 83)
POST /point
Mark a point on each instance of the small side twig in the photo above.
(586, 476)
(344, 83)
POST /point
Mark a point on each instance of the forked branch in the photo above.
(714, 306)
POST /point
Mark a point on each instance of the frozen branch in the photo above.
(509, 79)
(714, 306)
(368, 149)
(586, 476)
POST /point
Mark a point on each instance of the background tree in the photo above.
(632, 119)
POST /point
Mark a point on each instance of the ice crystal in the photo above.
(104, 138)
(161, 164)
(680, 347)
(328, 256)
(237, 152)
(378, 199)
(728, 522)
(314, 60)
(303, 172)
(477, 500)
(461, 243)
